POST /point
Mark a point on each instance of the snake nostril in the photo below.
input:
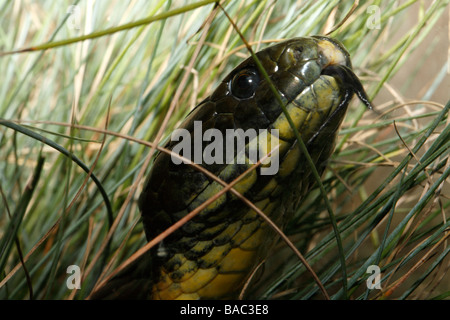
(298, 52)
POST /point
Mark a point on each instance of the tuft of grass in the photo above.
(84, 84)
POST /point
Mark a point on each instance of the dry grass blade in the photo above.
(390, 290)
(349, 13)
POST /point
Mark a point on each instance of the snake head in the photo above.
(298, 68)
(312, 74)
(314, 79)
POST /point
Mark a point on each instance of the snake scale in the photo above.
(212, 255)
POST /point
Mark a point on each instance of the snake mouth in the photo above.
(335, 61)
(349, 82)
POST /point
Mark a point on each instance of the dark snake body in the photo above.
(212, 255)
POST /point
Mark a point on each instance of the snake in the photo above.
(213, 254)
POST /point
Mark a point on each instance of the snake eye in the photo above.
(244, 84)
